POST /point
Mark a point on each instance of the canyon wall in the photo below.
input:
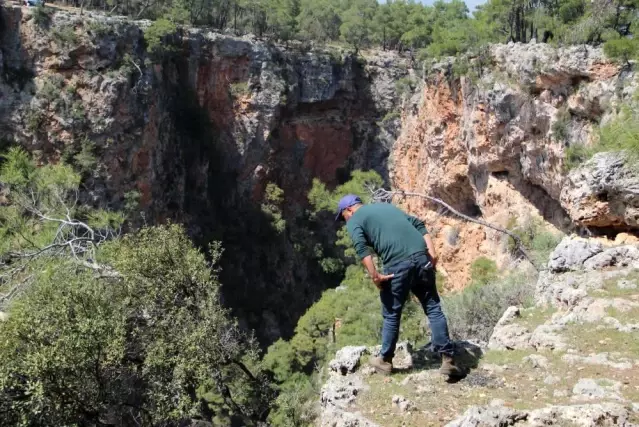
(199, 130)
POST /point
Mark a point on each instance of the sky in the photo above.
(470, 3)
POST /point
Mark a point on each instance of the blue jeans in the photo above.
(410, 276)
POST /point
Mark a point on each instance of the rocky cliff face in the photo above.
(493, 143)
(198, 132)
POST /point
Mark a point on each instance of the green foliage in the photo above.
(98, 28)
(65, 35)
(473, 312)
(535, 238)
(404, 86)
(41, 16)
(483, 271)
(239, 90)
(390, 117)
(148, 346)
(322, 199)
(576, 154)
(85, 159)
(155, 36)
(34, 119)
(561, 123)
(272, 206)
(619, 135)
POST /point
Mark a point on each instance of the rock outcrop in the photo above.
(493, 143)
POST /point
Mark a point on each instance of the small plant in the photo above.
(34, 120)
(99, 28)
(404, 86)
(622, 49)
(483, 271)
(131, 201)
(534, 237)
(65, 35)
(51, 88)
(271, 206)
(576, 155)
(78, 113)
(155, 36)
(390, 117)
(560, 126)
(41, 16)
(239, 90)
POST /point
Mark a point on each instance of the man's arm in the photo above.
(359, 241)
(431, 248)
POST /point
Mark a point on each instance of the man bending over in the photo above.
(408, 254)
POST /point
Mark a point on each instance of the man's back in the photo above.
(388, 230)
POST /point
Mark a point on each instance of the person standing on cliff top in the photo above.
(409, 258)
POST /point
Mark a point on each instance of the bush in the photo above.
(575, 155)
(482, 271)
(561, 123)
(155, 36)
(239, 90)
(147, 346)
(65, 35)
(41, 16)
(404, 86)
(622, 49)
(474, 312)
(534, 237)
(272, 206)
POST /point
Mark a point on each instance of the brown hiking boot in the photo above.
(449, 368)
(382, 365)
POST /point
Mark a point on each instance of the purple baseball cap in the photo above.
(346, 202)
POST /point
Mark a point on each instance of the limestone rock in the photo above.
(347, 359)
(337, 418)
(509, 335)
(621, 256)
(592, 415)
(603, 192)
(537, 361)
(341, 391)
(572, 253)
(590, 389)
(490, 416)
(402, 403)
(597, 359)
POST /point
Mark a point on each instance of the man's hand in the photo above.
(431, 249)
(379, 279)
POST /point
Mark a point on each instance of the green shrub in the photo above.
(621, 134)
(34, 119)
(51, 88)
(561, 123)
(155, 36)
(390, 117)
(482, 271)
(272, 206)
(239, 90)
(534, 237)
(473, 312)
(405, 86)
(65, 35)
(157, 336)
(576, 155)
(99, 28)
(85, 159)
(622, 49)
(41, 16)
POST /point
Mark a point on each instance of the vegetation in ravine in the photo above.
(127, 329)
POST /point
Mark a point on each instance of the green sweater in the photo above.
(392, 234)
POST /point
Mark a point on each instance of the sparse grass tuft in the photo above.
(65, 35)
(239, 90)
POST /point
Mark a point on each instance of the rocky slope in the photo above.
(198, 132)
(569, 360)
